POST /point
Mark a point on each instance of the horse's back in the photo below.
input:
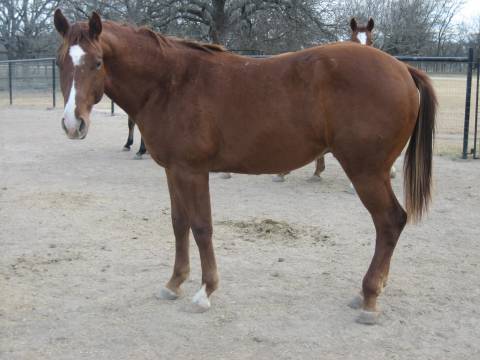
(299, 105)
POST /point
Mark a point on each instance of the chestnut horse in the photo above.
(201, 109)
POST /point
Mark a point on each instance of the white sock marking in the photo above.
(201, 298)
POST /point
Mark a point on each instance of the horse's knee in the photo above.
(202, 232)
(180, 225)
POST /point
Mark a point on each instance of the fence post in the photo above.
(467, 103)
(476, 113)
(53, 83)
(112, 107)
(10, 82)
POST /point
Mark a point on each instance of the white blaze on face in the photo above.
(362, 37)
(76, 53)
(69, 112)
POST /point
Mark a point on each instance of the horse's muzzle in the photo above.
(79, 132)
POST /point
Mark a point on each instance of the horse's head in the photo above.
(362, 34)
(82, 75)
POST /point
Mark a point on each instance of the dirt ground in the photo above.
(86, 243)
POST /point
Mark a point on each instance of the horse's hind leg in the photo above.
(389, 218)
(131, 126)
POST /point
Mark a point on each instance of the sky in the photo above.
(470, 10)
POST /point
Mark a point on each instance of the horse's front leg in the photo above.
(181, 229)
(190, 197)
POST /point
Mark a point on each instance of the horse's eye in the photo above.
(98, 64)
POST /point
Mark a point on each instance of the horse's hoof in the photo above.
(357, 302)
(393, 172)
(278, 178)
(138, 157)
(200, 300)
(126, 148)
(368, 317)
(315, 178)
(225, 175)
(167, 294)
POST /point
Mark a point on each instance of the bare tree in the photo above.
(408, 26)
(24, 26)
(468, 37)
(222, 21)
(442, 23)
(272, 26)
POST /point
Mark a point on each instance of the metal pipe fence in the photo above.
(35, 82)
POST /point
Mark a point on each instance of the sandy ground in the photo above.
(86, 243)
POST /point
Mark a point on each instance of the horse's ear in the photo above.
(61, 22)
(94, 26)
(353, 24)
(370, 24)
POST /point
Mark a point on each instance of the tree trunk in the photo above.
(218, 26)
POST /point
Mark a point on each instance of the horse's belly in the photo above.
(271, 156)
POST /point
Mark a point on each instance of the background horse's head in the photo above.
(362, 34)
(82, 75)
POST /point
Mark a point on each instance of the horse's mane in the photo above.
(171, 40)
(79, 33)
(162, 40)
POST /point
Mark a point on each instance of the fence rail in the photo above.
(31, 75)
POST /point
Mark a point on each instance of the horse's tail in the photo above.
(418, 157)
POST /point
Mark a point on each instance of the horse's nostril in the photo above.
(82, 125)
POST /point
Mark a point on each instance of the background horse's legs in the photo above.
(131, 126)
(376, 194)
(393, 172)
(225, 175)
(190, 196)
(141, 151)
(319, 167)
(280, 177)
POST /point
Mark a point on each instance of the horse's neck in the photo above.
(135, 68)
